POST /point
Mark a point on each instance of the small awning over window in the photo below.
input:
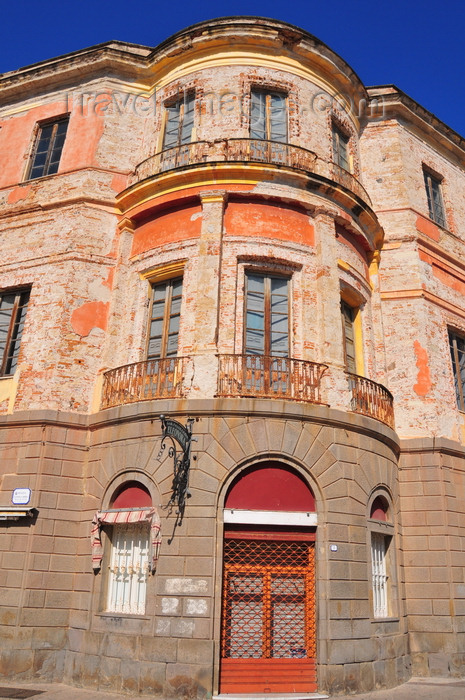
(121, 516)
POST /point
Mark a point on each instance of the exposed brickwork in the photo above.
(117, 217)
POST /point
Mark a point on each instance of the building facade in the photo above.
(230, 231)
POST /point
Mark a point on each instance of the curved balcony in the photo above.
(142, 381)
(246, 150)
(270, 377)
(254, 376)
(371, 399)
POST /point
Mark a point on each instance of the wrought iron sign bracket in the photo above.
(181, 435)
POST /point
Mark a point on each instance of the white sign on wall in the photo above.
(21, 497)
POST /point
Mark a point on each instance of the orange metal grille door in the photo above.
(268, 634)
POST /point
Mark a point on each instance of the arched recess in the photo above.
(268, 640)
(384, 593)
(126, 539)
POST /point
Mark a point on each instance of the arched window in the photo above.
(382, 557)
(132, 526)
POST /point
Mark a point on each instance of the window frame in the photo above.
(180, 101)
(268, 93)
(267, 314)
(358, 366)
(111, 605)
(382, 531)
(11, 352)
(54, 123)
(459, 385)
(167, 316)
(434, 195)
(341, 155)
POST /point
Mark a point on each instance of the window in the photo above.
(435, 203)
(46, 155)
(179, 121)
(164, 319)
(379, 552)
(341, 148)
(348, 326)
(129, 568)
(384, 589)
(13, 307)
(267, 316)
(457, 351)
(132, 527)
(268, 115)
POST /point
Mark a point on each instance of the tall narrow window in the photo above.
(164, 321)
(13, 307)
(129, 568)
(179, 121)
(341, 148)
(434, 195)
(379, 551)
(457, 352)
(268, 115)
(46, 155)
(267, 316)
(348, 327)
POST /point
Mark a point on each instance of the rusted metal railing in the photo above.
(142, 381)
(371, 399)
(275, 377)
(245, 150)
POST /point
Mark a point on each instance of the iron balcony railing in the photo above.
(142, 381)
(270, 377)
(371, 399)
(247, 150)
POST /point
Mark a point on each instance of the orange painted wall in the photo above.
(277, 221)
(168, 227)
(17, 135)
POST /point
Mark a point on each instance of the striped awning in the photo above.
(125, 516)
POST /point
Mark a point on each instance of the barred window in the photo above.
(129, 569)
(13, 307)
(48, 147)
(379, 550)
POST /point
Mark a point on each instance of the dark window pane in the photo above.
(48, 149)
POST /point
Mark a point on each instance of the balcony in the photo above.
(246, 150)
(248, 376)
(371, 399)
(270, 377)
(142, 381)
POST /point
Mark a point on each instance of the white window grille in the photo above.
(379, 547)
(129, 568)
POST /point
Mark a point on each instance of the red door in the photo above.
(268, 633)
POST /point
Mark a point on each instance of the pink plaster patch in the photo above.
(94, 314)
(423, 385)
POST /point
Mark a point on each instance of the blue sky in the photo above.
(416, 45)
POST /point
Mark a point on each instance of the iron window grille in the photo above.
(13, 308)
(48, 148)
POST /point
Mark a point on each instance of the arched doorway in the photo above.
(268, 641)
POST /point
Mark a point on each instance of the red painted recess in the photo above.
(379, 509)
(270, 487)
(132, 495)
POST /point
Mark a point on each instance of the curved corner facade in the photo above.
(231, 395)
